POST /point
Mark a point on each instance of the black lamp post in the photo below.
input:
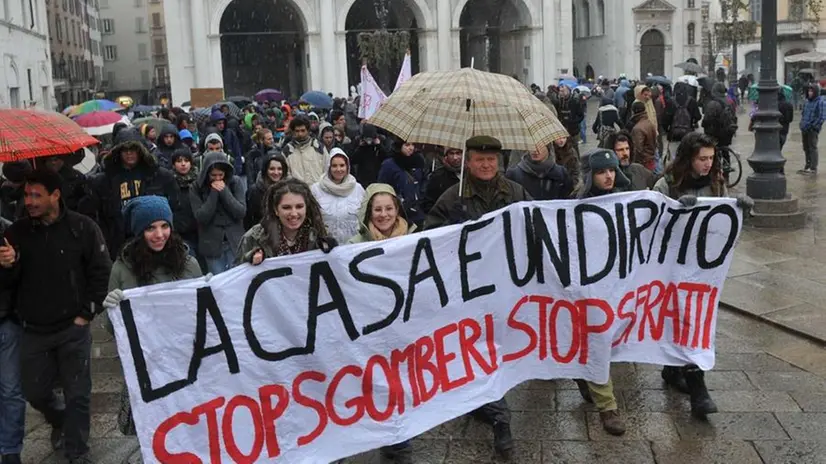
(767, 182)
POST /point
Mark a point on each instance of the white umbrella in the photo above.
(106, 129)
(690, 80)
(583, 90)
(808, 57)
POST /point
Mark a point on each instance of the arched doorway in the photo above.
(589, 72)
(652, 53)
(399, 20)
(753, 64)
(494, 34)
(263, 46)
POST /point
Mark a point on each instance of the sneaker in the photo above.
(56, 438)
(11, 459)
(503, 440)
(804, 170)
(612, 422)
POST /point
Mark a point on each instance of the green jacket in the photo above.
(447, 209)
(123, 278)
(364, 234)
(265, 238)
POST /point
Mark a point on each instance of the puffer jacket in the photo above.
(340, 213)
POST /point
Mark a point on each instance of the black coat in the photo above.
(555, 185)
(62, 271)
(366, 161)
(441, 180)
(115, 185)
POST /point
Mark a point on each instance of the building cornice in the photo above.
(22, 29)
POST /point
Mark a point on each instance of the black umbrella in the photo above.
(690, 67)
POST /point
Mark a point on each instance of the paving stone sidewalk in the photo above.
(780, 275)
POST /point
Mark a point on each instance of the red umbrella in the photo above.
(26, 134)
(98, 118)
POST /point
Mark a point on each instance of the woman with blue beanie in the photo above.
(155, 255)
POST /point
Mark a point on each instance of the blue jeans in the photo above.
(12, 404)
(583, 129)
(223, 262)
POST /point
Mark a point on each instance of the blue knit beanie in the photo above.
(141, 212)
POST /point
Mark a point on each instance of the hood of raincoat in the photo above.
(718, 91)
(169, 129)
(248, 120)
(373, 190)
(215, 159)
(128, 139)
(595, 158)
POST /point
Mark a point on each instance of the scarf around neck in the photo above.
(301, 244)
(345, 188)
(539, 169)
(399, 229)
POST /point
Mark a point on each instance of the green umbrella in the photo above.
(787, 91)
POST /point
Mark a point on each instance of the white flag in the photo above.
(406, 72)
(371, 95)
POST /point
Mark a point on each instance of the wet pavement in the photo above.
(769, 384)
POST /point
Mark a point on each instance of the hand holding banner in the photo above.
(314, 357)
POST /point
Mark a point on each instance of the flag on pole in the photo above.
(371, 95)
(406, 72)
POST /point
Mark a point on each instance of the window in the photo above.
(58, 31)
(24, 13)
(691, 4)
(110, 78)
(145, 81)
(74, 33)
(156, 21)
(797, 9)
(107, 26)
(66, 26)
(161, 76)
(110, 52)
(157, 47)
(79, 8)
(44, 95)
(14, 97)
(142, 54)
(65, 5)
(71, 7)
(139, 26)
(691, 34)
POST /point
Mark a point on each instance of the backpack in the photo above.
(682, 124)
(605, 132)
(729, 123)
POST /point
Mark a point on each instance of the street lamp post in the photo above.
(767, 182)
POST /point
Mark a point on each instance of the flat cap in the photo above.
(483, 143)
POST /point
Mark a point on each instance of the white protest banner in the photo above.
(405, 73)
(371, 94)
(314, 357)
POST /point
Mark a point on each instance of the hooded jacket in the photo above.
(650, 110)
(619, 94)
(644, 138)
(340, 212)
(715, 121)
(571, 113)
(306, 159)
(607, 116)
(814, 111)
(220, 215)
(366, 156)
(165, 152)
(406, 175)
(232, 145)
(364, 234)
(183, 217)
(543, 181)
(683, 98)
(116, 184)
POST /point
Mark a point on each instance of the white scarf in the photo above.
(340, 190)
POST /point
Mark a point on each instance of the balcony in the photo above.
(797, 29)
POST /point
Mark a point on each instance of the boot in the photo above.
(584, 391)
(612, 422)
(674, 378)
(701, 402)
(502, 440)
(11, 459)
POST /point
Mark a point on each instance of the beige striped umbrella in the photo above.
(448, 107)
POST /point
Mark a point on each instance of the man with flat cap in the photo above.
(485, 189)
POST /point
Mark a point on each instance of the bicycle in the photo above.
(731, 165)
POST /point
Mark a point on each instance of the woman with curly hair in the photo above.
(695, 172)
(292, 224)
(155, 255)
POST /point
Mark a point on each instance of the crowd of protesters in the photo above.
(189, 201)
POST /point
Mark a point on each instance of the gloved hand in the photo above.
(326, 244)
(113, 299)
(744, 202)
(687, 200)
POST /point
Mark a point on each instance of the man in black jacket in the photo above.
(64, 250)
(129, 171)
(12, 403)
(444, 177)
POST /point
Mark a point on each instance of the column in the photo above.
(213, 75)
(430, 51)
(541, 60)
(444, 37)
(314, 78)
(199, 34)
(536, 64)
(455, 45)
(342, 84)
(565, 45)
(328, 43)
